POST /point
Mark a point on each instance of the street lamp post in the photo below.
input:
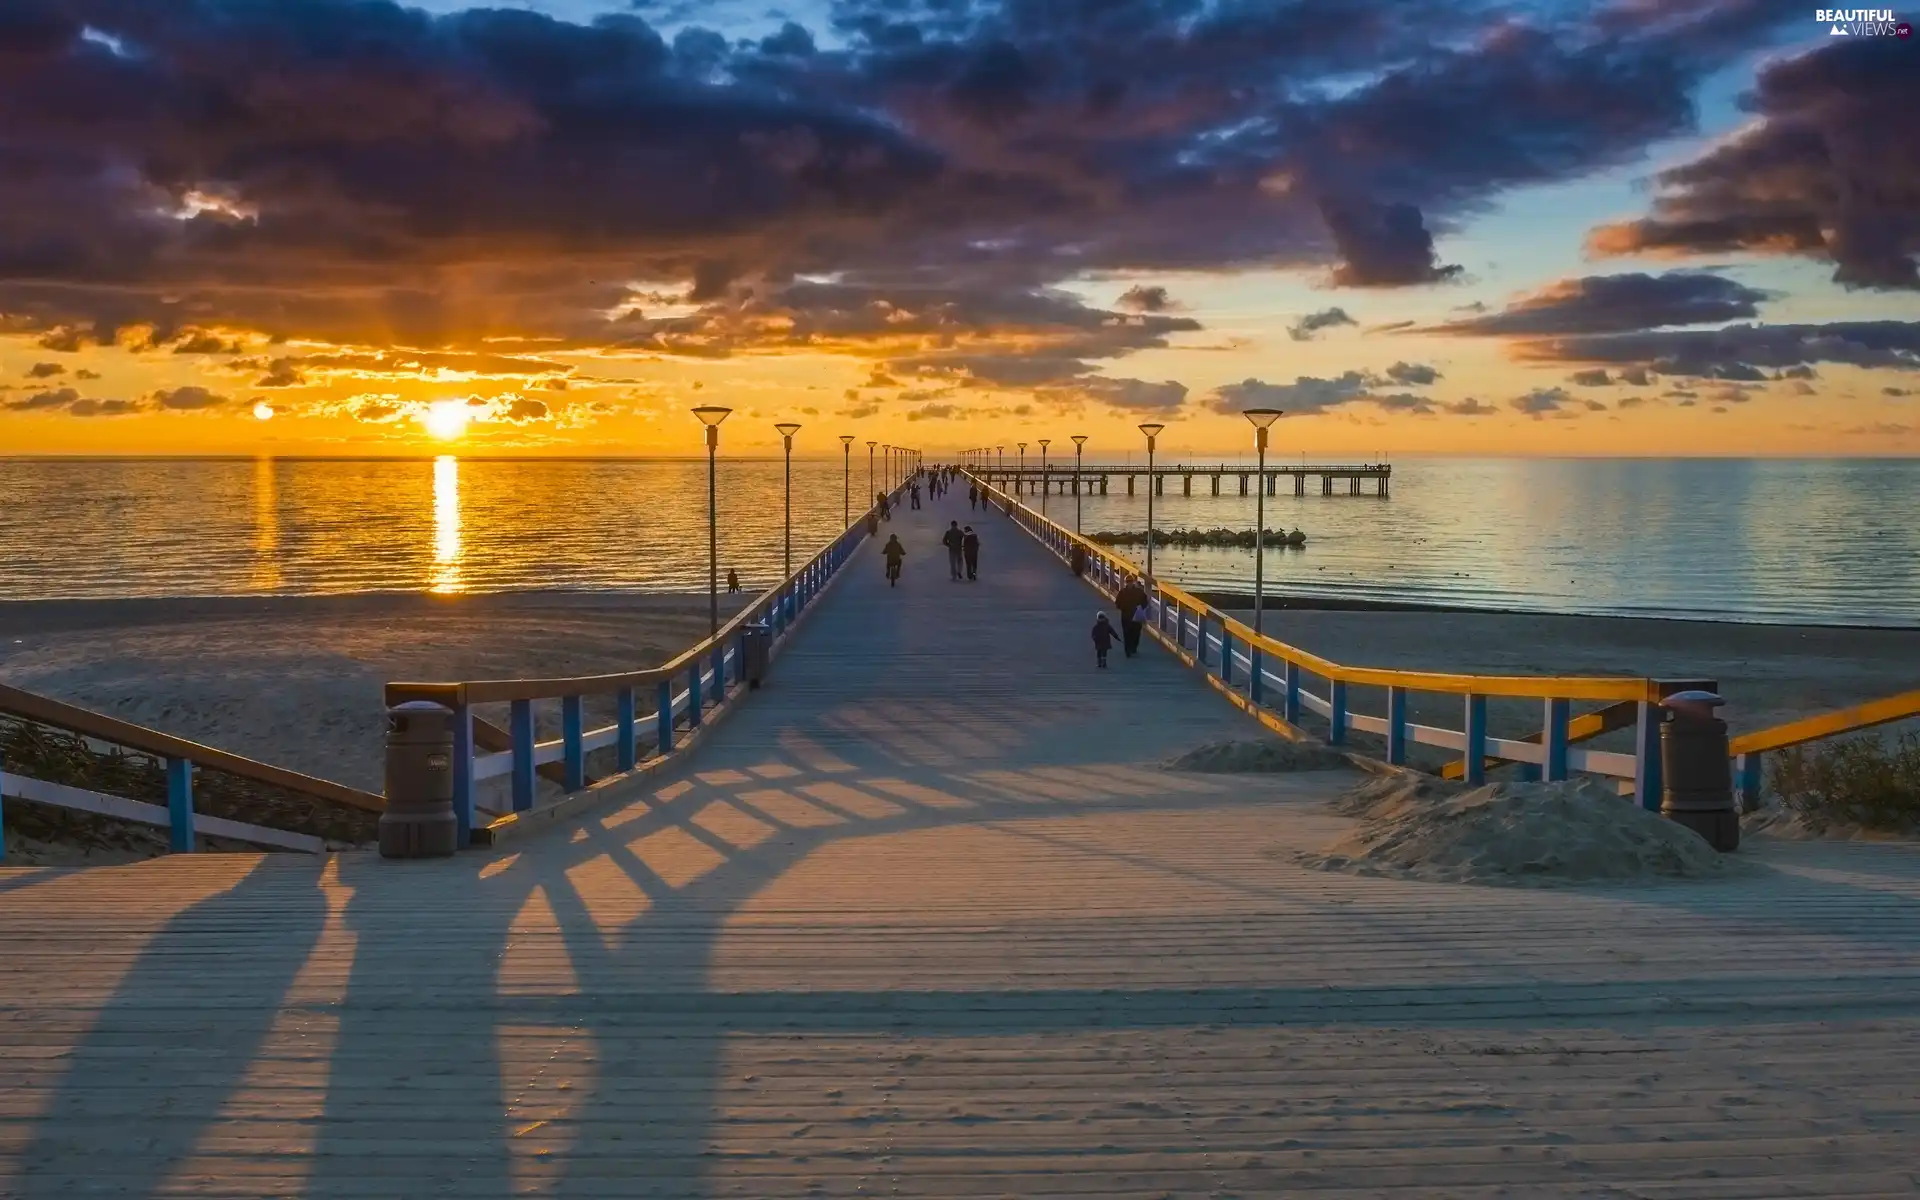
(787, 430)
(1020, 476)
(870, 493)
(1152, 430)
(1261, 418)
(1043, 475)
(711, 415)
(1079, 443)
(846, 480)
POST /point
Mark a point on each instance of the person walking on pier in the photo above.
(970, 550)
(894, 552)
(913, 496)
(1102, 639)
(973, 495)
(1131, 600)
(886, 509)
(954, 541)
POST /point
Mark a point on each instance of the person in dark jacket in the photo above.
(1102, 639)
(894, 552)
(733, 581)
(970, 549)
(1131, 600)
(955, 542)
(973, 495)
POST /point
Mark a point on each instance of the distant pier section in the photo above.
(1350, 479)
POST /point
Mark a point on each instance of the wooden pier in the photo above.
(1351, 479)
(925, 917)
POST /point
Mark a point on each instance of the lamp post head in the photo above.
(1044, 442)
(1152, 430)
(787, 430)
(1023, 447)
(846, 441)
(711, 415)
(870, 446)
(1079, 440)
(1262, 417)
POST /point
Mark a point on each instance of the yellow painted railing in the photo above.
(1749, 748)
(683, 690)
(1242, 664)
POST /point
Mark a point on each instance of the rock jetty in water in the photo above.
(1221, 538)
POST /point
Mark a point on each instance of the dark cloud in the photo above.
(1739, 352)
(1303, 329)
(1597, 377)
(1829, 170)
(188, 399)
(1137, 395)
(1631, 402)
(72, 403)
(282, 373)
(1541, 401)
(1616, 304)
(1470, 407)
(1896, 391)
(1143, 299)
(363, 173)
(937, 412)
(45, 370)
(1308, 394)
(523, 410)
(1412, 374)
(200, 342)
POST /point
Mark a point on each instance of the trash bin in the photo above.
(1696, 771)
(873, 523)
(756, 649)
(419, 821)
(1077, 559)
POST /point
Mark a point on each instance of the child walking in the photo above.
(1102, 639)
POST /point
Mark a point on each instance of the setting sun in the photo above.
(446, 419)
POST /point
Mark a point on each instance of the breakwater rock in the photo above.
(1222, 538)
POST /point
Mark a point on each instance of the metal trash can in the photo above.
(755, 649)
(1696, 771)
(419, 821)
(1077, 559)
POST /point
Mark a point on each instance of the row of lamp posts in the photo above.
(899, 463)
(994, 457)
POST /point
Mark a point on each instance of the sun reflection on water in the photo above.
(265, 576)
(446, 526)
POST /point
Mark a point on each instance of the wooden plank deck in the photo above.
(922, 920)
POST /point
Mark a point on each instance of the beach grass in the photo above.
(1870, 782)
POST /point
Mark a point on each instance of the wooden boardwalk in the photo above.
(922, 919)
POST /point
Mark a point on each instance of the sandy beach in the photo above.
(297, 681)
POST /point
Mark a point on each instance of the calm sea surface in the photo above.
(1831, 541)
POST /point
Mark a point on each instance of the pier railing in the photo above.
(1749, 750)
(245, 800)
(686, 693)
(1278, 682)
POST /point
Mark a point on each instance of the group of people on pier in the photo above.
(1132, 602)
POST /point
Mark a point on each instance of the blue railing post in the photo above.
(1256, 675)
(1290, 694)
(693, 696)
(1337, 714)
(1748, 780)
(1474, 764)
(180, 804)
(719, 671)
(1397, 726)
(463, 781)
(573, 731)
(1553, 763)
(1646, 756)
(626, 741)
(664, 718)
(740, 658)
(1226, 656)
(520, 730)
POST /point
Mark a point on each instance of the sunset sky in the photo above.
(348, 227)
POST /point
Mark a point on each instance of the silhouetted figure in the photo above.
(954, 541)
(894, 552)
(886, 509)
(1102, 639)
(970, 550)
(973, 495)
(733, 581)
(913, 496)
(1131, 600)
